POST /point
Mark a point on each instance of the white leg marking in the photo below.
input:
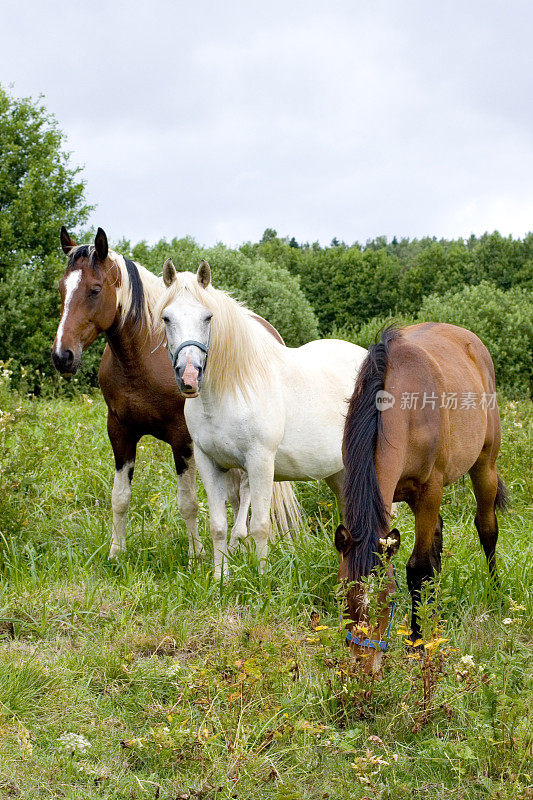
(120, 502)
(216, 488)
(240, 530)
(188, 507)
(71, 284)
(260, 469)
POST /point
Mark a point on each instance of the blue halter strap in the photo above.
(203, 347)
(375, 644)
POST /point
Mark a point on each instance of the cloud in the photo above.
(348, 120)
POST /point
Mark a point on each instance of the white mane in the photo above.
(242, 353)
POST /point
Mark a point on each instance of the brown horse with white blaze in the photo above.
(423, 413)
(104, 293)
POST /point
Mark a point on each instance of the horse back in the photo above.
(445, 414)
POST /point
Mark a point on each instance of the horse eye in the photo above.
(166, 319)
(96, 290)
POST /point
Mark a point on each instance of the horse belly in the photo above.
(468, 430)
(303, 464)
(321, 381)
(311, 448)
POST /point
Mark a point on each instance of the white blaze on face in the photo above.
(71, 284)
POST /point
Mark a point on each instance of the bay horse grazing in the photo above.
(274, 411)
(102, 292)
(423, 413)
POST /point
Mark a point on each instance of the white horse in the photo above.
(274, 411)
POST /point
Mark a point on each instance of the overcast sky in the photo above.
(320, 119)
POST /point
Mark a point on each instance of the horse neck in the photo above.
(130, 344)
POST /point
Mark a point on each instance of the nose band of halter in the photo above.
(375, 644)
(204, 348)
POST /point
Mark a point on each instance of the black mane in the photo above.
(365, 514)
(135, 314)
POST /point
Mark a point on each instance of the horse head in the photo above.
(368, 628)
(188, 330)
(88, 300)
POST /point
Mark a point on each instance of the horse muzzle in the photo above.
(189, 379)
(66, 361)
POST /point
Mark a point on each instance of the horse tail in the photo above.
(365, 514)
(285, 509)
(502, 496)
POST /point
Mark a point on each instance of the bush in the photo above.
(368, 332)
(503, 320)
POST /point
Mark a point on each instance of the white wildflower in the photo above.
(464, 668)
(74, 743)
(388, 542)
(507, 621)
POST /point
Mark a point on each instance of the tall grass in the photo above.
(188, 687)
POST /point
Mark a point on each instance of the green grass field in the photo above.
(144, 678)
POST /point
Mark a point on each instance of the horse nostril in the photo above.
(63, 360)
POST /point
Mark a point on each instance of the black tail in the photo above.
(366, 517)
(502, 495)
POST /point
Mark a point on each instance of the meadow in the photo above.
(144, 678)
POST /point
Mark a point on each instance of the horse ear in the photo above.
(66, 242)
(343, 539)
(203, 276)
(100, 245)
(389, 546)
(169, 272)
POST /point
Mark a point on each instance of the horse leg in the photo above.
(241, 500)
(425, 559)
(215, 484)
(335, 483)
(187, 500)
(124, 443)
(485, 482)
(260, 468)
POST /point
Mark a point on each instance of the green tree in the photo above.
(39, 191)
